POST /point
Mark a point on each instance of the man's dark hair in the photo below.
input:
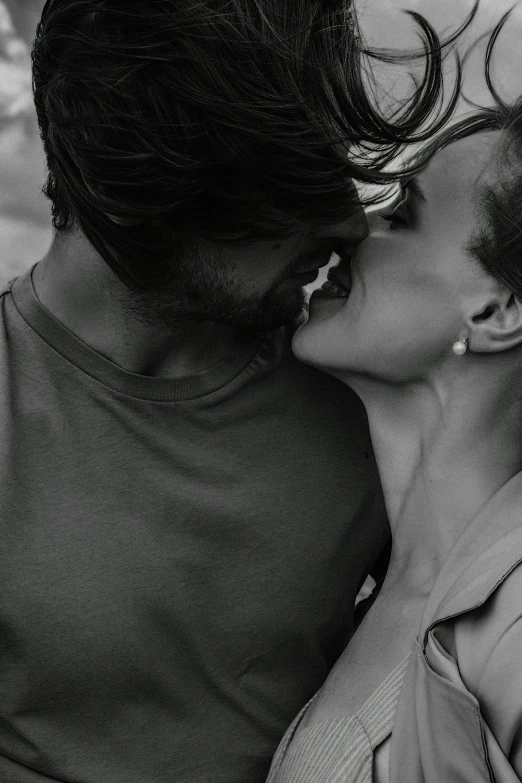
(496, 242)
(164, 120)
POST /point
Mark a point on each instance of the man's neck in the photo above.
(81, 291)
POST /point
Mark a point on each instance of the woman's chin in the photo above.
(314, 344)
(308, 346)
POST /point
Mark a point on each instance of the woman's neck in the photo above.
(443, 448)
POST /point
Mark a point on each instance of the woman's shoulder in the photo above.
(465, 676)
(463, 690)
(479, 651)
(488, 639)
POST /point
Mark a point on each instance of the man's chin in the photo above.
(268, 322)
(271, 313)
(280, 311)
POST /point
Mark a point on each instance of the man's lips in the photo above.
(339, 274)
(312, 269)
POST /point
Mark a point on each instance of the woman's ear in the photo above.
(496, 325)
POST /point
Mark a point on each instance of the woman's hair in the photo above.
(497, 241)
(165, 120)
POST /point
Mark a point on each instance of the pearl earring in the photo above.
(461, 346)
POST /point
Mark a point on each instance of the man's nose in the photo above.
(349, 232)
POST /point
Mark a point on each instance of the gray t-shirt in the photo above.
(179, 557)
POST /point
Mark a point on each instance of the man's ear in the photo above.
(496, 324)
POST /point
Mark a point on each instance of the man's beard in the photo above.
(190, 296)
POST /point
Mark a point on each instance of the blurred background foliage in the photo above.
(25, 218)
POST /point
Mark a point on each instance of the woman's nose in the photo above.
(375, 220)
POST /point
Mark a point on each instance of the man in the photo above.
(187, 512)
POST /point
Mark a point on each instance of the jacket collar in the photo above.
(485, 553)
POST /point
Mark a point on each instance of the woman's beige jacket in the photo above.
(459, 715)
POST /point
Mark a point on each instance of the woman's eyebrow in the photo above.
(414, 187)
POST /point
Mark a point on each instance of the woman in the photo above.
(426, 326)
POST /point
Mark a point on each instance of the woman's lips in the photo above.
(333, 289)
(320, 295)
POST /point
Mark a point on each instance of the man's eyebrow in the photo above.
(414, 187)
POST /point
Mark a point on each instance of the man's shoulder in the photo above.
(328, 407)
